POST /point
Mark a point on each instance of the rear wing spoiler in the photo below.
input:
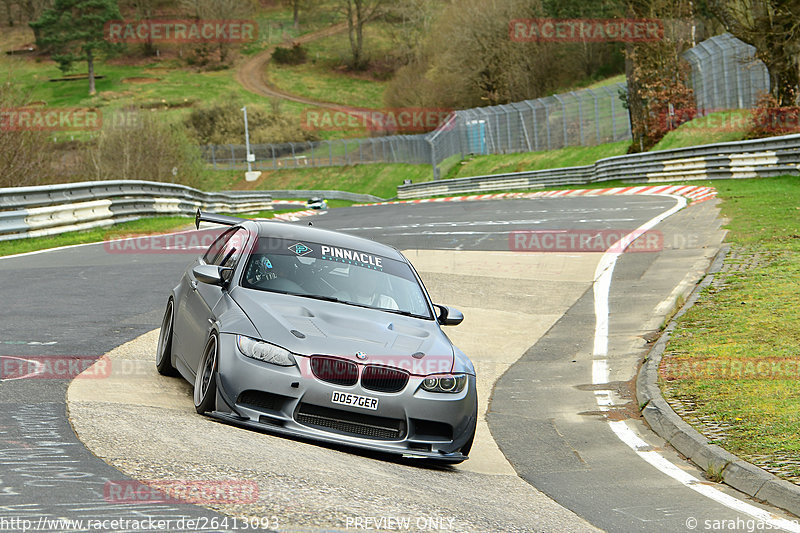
(216, 219)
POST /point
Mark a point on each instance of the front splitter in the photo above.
(447, 458)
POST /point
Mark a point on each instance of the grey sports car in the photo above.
(317, 334)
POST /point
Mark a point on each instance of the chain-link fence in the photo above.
(726, 74)
(391, 149)
(580, 118)
(586, 117)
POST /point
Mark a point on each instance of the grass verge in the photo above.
(325, 77)
(565, 157)
(379, 179)
(733, 362)
(144, 226)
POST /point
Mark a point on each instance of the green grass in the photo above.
(565, 157)
(169, 89)
(378, 179)
(722, 126)
(142, 226)
(752, 317)
(717, 127)
(324, 77)
(384, 177)
(613, 80)
(166, 85)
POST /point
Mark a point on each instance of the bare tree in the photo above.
(143, 147)
(23, 158)
(219, 9)
(9, 4)
(297, 6)
(412, 22)
(468, 60)
(655, 72)
(358, 13)
(25, 11)
(773, 27)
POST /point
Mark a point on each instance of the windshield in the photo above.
(327, 272)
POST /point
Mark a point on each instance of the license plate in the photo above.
(354, 400)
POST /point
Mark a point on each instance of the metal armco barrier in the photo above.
(758, 158)
(52, 209)
(328, 195)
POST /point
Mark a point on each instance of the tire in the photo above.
(205, 382)
(164, 350)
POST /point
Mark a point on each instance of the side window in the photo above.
(232, 240)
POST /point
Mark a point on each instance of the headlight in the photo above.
(445, 383)
(262, 351)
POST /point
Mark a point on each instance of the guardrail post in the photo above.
(613, 119)
(596, 118)
(580, 117)
(547, 123)
(563, 116)
(535, 126)
(436, 175)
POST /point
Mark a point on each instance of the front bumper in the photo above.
(288, 401)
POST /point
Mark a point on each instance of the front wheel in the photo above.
(164, 350)
(205, 382)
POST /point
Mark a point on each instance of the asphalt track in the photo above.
(86, 301)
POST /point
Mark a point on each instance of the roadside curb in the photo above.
(295, 215)
(716, 462)
(692, 192)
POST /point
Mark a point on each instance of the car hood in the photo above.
(307, 327)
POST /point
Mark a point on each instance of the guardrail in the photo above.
(328, 195)
(757, 158)
(52, 209)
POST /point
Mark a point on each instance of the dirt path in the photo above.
(252, 73)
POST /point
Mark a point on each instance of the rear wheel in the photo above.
(205, 382)
(164, 350)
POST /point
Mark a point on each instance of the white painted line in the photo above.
(29, 343)
(626, 435)
(601, 374)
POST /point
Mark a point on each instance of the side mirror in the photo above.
(211, 274)
(448, 316)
